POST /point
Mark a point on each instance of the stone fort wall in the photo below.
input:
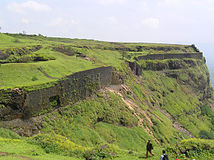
(19, 103)
(196, 55)
(183, 61)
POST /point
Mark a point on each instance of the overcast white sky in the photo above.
(167, 21)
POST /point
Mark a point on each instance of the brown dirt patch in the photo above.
(17, 156)
(4, 154)
(120, 89)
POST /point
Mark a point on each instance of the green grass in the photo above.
(78, 123)
(17, 149)
(7, 41)
(102, 54)
(21, 74)
(178, 100)
(88, 113)
(27, 74)
(76, 130)
(82, 129)
(21, 148)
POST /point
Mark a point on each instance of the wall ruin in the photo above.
(19, 103)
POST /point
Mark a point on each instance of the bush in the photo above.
(206, 111)
(206, 135)
(28, 58)
(54, 143)
(39, 57)
(6, 133)
(193, 148)
(16, 41)
(104, 151)
(34, 78)
(196, 145)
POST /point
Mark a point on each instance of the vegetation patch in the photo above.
(168, 101)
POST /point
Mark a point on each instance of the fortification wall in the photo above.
(170, 64)
(197, 55)
(18, 103)
(135, 67)
(174, 61)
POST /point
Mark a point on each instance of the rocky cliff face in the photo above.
(188, 71)
(179, 88)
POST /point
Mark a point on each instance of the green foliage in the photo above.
(24, 149)
(194, 147)
(34, 78)
(87, 113)
(178, 100)
(5, 133)
(71, 50)
(53, 143)
(103, 126)
(102, 151)
(16, 41)
(206, 135)
(27, 58)
(100, 53)
(206, 111)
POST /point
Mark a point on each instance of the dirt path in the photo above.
(118, 89)
(6, 154)
(176, 124)
(46, 75)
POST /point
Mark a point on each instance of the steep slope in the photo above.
(211, 69)
(164, 99)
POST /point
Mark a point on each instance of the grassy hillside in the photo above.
(59, 57)
(169, 102)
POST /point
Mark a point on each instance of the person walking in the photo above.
(149, 148)
(164, 156)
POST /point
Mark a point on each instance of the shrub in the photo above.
(196, 145)
(102, 151)
(34, 78)
(54, 143)
(6, 133)
(16, 41)
(206, 135)
(206, 111)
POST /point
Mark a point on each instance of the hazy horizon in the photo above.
(159, 21)
(147, 21)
